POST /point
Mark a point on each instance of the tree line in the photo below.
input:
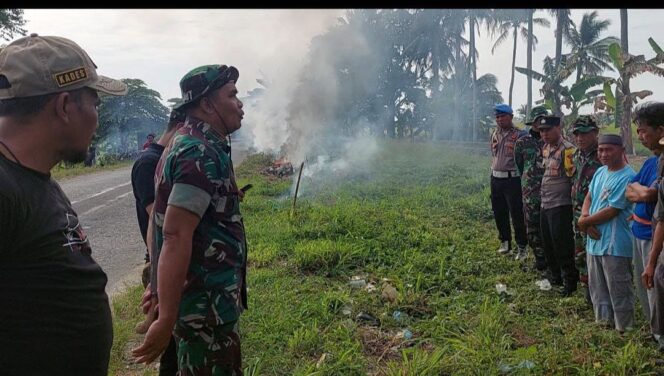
(413, 73)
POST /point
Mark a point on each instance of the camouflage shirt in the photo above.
(585, 165)
(528, 160)
(197, 175)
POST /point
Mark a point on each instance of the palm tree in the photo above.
(457, 27)
(432, 48)
(552, 78)
(487, 96)
(563, 22)
(529, 57)
(472, 56)
(512, 20)
(589, 53)
(475, 16)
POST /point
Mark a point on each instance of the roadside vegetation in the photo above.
(60, 171)
(391, 269)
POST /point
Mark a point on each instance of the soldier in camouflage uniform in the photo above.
(201, 278)
(586, 162)
(528, 159)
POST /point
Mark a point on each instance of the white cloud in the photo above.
(161, 45)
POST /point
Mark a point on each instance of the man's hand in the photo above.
(581, 224)
(632, 193)
(648, 276)
(593, 232)
(146, 300)
(155, 342)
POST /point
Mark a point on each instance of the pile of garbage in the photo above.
(280, 168)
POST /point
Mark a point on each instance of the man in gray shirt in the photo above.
(506, 198)
(556, 212)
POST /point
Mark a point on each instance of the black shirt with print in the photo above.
(54, 312)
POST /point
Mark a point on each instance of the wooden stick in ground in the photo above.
(297, 187)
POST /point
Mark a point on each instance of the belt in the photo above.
(640, 220)
(505, 174)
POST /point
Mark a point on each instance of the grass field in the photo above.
(60, 172)
(415, 224)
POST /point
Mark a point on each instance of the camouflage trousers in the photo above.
(531, 214)
(209, 350)
(580, 251)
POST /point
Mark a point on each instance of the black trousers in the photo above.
(558, 243)
(506, 201)
(168, 364)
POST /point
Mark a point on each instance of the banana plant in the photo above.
(617, 96)
(574, 97)
(552, 80)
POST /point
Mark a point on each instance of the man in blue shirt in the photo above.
(653, 273)
(609, 247)
(643, 192)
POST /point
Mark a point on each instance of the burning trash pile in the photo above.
(280, 168)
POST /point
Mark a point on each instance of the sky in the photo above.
(160, 45)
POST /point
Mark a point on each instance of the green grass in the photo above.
(126, 314)
(416, 217)
(60, 172)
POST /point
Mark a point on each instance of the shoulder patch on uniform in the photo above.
(568, 161)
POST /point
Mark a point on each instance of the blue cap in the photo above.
(503, 109)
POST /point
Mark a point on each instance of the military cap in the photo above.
(584, 124)
(536, 112)
(200, 81)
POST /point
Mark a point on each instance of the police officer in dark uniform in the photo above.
(506, 198)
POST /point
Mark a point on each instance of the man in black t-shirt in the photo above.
(54, 313)
(142, 175)
(142, 183)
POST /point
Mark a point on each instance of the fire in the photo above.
(281, 167)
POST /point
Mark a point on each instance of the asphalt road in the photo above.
(106, 207)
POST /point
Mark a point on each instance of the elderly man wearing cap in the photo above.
(556, 213)
(586, 162)
(528, 159)
(143, 186)
(506, 198)
(649, 118)
(54, 310)
(201, 272)
(609, 251)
